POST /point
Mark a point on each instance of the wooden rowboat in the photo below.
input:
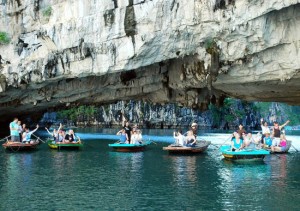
(245, 154)
(19, 146)
(199, 148)
(128, 147)
(62, 145)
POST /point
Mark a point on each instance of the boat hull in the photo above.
(58, 146)
(243, 154)
(199, 148)
(18, 146)
(128, 147)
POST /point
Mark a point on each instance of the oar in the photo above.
(152, 141)
(295, 148)
(225, 141)
(5, 139)
(38, 138)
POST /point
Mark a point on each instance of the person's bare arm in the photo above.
(281, 126)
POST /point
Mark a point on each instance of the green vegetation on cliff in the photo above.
(4, 38)
(229, 115)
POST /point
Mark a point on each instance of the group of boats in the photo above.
(33, 144)
(201, 146)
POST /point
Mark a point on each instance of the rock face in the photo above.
(193, 52)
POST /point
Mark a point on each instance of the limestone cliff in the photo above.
(193, 52)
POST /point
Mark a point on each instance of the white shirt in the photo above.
(265, 129)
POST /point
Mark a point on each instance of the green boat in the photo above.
(63, 145)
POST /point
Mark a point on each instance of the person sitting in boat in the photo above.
(54, 134)
(194, 129)
(136, 137)
(60, 136)
(179, 138)
(267, 140)
(241, 130)
(123, 137)
(26, 137)
(248, 141)
(257, 140)
(282, 146)
(276, 133)
(237, 143)
(70, 137)
(191, 139)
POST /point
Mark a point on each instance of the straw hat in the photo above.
(194, 124)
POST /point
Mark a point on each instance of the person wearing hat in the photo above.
(267, 140)
(194, 128)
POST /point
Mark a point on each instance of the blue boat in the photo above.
(119, 147)
(249, 154)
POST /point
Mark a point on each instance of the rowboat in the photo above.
(288, 146)
(119, 147)
(63, 145)
(245, 154)
(19, 146)
(200, 147)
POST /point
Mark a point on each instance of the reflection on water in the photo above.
(96, 178)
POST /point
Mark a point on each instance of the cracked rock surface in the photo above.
(193, 52)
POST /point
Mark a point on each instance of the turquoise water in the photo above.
(96, 178)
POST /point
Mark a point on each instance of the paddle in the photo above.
(152, 141)
(295, 148)
(38, 138)
(224, 141)
(5, 139)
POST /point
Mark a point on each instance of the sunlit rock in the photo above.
(67, 53)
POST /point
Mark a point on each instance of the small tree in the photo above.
(4, 38)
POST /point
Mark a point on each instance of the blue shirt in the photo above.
(14, 126)
(236, 145)
(268, 141)
(123, 138)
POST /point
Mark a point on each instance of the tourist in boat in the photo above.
(265, 128)
(70, 137)
(128, 130)
(258, 140)
(267, 140)
(54, 134)
(179, 138)
(123, 136)
(194, 129)
(282, 145)
(241, 130)
(191, 139)
(14, 130)
(248, 140)
(136, 137)
(20, 129)
(276, 133)
(27, 135)
(237, 142)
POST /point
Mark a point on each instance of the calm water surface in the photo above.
(96, 178)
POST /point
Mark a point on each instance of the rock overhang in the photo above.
(188, 52)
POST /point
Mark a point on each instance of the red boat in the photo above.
(18, 146)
